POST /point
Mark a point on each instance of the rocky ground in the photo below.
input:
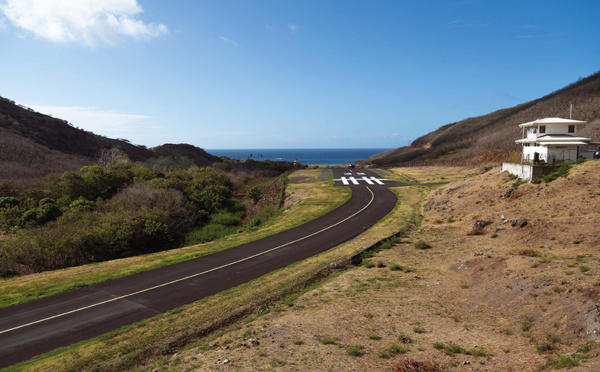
(491, 281)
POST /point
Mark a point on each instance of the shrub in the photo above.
(91, 182)
(395, 267)
(255, 192)
(527, 324)
(396, 349)
(82, 204)
(418, 329)
(561, 171)
(263, 216)
(46, 201)
(422, 245)
(138, 220)
(8, 201)
(327, 340)
(562, 361)
(355, 350)
(207, 233)
(207, 191)
(411, 365)
(10, 217)
(47, 212)
(226, 218)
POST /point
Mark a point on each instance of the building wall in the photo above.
(550, 154)
(550, 129)
(525, 171)
(565, 155)
(529, 153)
(558, 129)
(522, 171)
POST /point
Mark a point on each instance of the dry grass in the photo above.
(475, 303)
(435, 174)
(411, 365)
(469, 302)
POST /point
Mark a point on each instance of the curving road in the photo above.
(43, 325)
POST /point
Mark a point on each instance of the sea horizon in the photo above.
(303, 156)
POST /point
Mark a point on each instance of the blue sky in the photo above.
(288, 74)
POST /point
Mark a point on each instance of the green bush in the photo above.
(82, 204)
(207, 233)
(10, 217)
(91, 182)
(355, 350)
(255, 192)
(8, 201)
(226, 218)
(208, 190)
(138, 220)
(47, 212)
(561, 171)
(263, 216)
(422, 245)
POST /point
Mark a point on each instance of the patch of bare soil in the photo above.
(508, 298)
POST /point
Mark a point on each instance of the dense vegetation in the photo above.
(123, 209)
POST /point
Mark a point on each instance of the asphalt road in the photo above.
(40, 326)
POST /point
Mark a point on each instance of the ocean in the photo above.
(304, 156)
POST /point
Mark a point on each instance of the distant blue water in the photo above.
(304, 156)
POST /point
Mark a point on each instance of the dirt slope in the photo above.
(512, 298)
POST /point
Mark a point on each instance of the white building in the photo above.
(554, 139)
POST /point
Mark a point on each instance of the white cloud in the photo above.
(229, 41)
(292, 27)
(97, 120)
(88, 22)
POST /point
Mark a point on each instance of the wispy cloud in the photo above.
(88, 22)
(97, 120)
(228, 41)
(293, 28)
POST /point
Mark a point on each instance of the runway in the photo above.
(40, 326)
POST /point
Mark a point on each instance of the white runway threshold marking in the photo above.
(369, 180)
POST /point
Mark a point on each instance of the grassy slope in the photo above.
(145, 342)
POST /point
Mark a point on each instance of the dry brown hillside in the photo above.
(499, 298)
(498, 130)
(34, 145)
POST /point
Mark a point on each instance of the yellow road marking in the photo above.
(190, 276)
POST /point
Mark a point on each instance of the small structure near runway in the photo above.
(545, 143)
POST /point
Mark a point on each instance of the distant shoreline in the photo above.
(304, 156)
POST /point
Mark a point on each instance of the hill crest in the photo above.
(34, 145)
(496, 132)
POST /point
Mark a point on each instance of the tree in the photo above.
(108, 158)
